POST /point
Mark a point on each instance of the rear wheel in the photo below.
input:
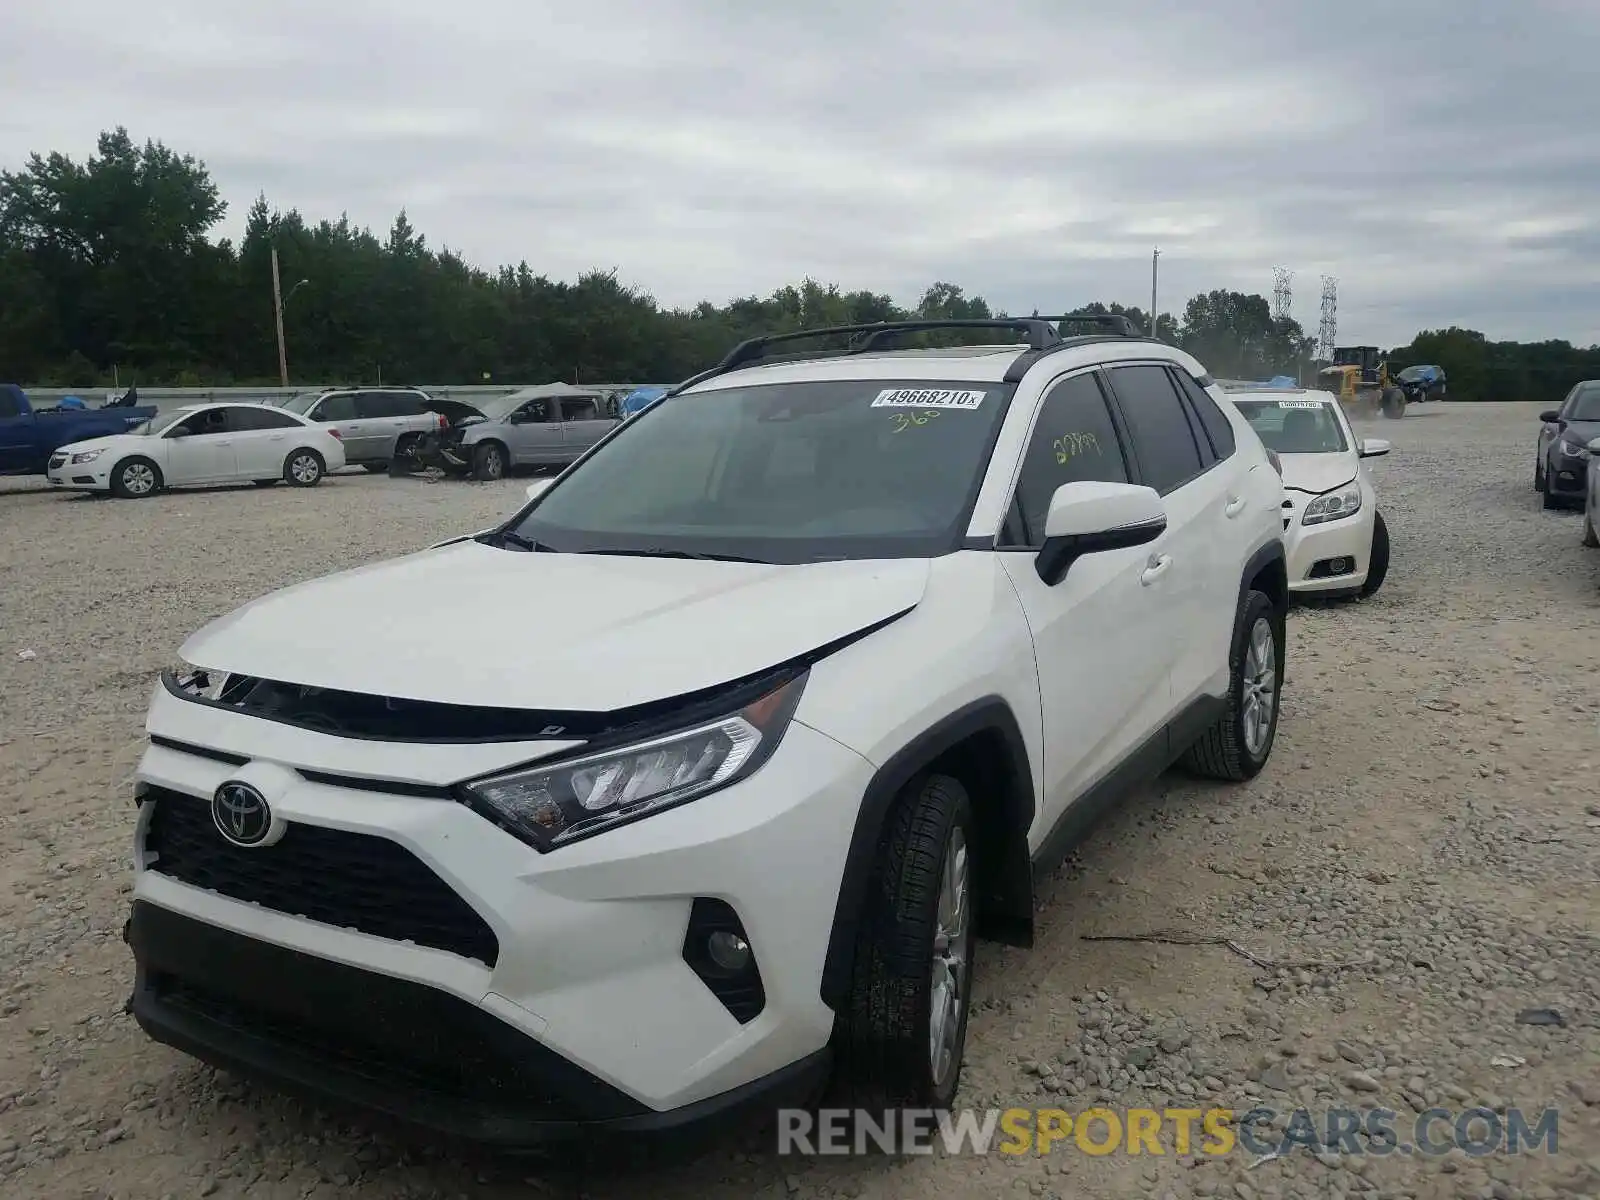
(1590, 538)
(1394, 403)
(303, 468)
(905, 1029)
(1239, 744)
(136, 478)
(1378, 558)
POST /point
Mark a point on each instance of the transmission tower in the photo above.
(1282, 295)
(1328, 328)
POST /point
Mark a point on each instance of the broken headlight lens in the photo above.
(552, 805)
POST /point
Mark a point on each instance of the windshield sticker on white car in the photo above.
(928, 398)
(1300, 404)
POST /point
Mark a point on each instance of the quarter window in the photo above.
(1163, 439)
(1074, 441)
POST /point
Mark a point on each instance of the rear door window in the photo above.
(1163, 439)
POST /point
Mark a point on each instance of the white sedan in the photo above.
(201, 444)
(1337, 540)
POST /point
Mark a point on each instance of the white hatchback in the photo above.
(1337, 540)
(200, 444)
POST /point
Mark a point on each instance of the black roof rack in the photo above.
(1041, 335)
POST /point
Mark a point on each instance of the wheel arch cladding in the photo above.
(1267, 572)
(980, 744)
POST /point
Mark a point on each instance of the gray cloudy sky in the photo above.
(1030, 152)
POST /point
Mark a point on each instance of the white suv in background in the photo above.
(1337, 539)
(852, 648)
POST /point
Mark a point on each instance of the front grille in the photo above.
(347, 880)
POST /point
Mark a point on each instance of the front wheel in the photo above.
(135, 479)
(489, 462)
(904, 1031)
(1394, 403)
(1378, 557)
(1548, 498)
(303, 468)
(1239, 744)
(1590, 538)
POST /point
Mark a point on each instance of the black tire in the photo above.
(1378, 558)
(1538, 477)
(1393, 402)
(377, 468)
(885, 1032)
(489, 461)
(1223, 751)
(136, 478)
(297, 468)
(266, 483)
(1547, 497)
(1591, 539)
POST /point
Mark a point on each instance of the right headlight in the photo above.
(551, 805)
(1346, 502)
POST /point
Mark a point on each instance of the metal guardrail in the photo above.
(163, 398)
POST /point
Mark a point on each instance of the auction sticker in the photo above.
(927, 398)
(1300, 403)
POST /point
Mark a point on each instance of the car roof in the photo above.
(967, 364)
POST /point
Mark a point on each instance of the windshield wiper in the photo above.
(509, 537)
(664, 552)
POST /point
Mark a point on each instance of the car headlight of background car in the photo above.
(550, 805)
(1346, 502)
(1570, 449)
(86, 456)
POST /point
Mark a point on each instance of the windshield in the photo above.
(783, 473)
(1295, 426)
(162, 421)
(1585, 405)
(302, 403)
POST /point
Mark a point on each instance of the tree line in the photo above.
(107, 268)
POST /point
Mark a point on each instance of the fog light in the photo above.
(728, 950)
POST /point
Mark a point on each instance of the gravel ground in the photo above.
(1429, 825)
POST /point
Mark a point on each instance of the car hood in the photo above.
(1318, 473)
(1582, 432)
(469, 624)
(454, 411)
(110, 442)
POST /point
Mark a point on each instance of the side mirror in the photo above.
(1552, 417)
(1373, 448)
(1091, 518)
(538, 487)
(1594, 446)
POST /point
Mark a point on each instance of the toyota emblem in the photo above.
(241, 814)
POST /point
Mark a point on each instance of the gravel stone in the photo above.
(1422, 850)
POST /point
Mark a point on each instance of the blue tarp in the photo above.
(1283, 381)
(640, 399)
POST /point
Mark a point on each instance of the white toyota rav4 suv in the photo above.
(781, 696)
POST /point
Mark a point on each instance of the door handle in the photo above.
(278, 437)
(1234, 508)
(222, 443)
(1155, 569)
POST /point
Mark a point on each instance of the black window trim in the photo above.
(1183, 402)
(1013, 511)
(1193, 408)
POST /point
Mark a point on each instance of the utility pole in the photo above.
(277, 313)
(1155, 260)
